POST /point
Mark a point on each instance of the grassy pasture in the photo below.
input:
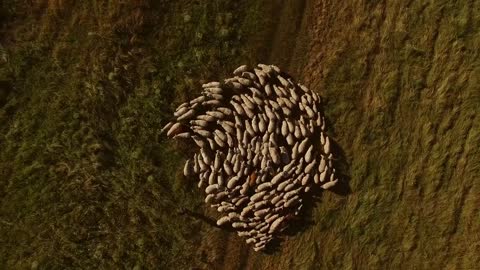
(86, 181)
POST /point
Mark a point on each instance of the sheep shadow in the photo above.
(305, 219)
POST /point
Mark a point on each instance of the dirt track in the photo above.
(401, 81)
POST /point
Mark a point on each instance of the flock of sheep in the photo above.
(262, 145)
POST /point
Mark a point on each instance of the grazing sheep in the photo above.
(257, 154)
(173, 128)
(329, 184)
(277, 178)
(211, 188)
(232, 182)
(239, 70)
(309, 154)
(326, 146)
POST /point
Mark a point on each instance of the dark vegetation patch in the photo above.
(86, 180)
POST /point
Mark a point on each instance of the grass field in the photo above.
(87, 182)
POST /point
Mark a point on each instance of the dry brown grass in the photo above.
(401, 81)
(86, 181)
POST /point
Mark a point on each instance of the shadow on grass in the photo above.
(304, 220)
(204, 218)
(210, 221)
(342, 170)
(340, 163)
(298, 224)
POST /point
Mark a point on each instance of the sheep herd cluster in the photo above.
(262, 145)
